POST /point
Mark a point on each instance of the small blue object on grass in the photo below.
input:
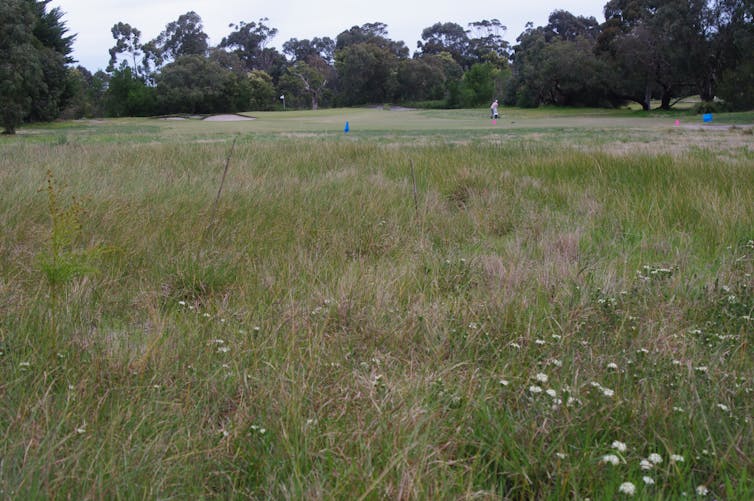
(346, 128)
(707, 117)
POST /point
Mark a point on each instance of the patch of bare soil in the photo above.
(227, 118)
(726, 141)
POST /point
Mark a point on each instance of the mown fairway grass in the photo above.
(562, 283)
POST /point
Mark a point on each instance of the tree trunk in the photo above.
(315, 102)
(707, 91)
(647, 104)
(665, 105)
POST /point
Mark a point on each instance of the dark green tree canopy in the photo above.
(446, 37)
(566, 26)
(305, 50)
(192, 84)
(34, 51)
(371, 33)
(127, 41)
(488, 45)
(50, 29)
(183, 37)
(367, 73)
(249, 40)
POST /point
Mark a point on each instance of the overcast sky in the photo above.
(91, 20)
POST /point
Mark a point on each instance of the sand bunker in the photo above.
(227, 118)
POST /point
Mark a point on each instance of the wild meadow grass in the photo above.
(547, 322)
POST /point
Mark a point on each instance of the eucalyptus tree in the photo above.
(304, 50)
(182, 37)
(657, 49)
(731, 74)
(556, 64)
(249, 42)
(127, 44)
(446, 37)
(488, 44)
(367, 61)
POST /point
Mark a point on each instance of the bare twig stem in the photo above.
(416, 196)
(222, 183)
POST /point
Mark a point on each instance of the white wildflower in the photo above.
(611, 459)
(552, 393)
(676, 458)
(504, 382)
(535, 389)
(540, 342)
(702, 490)
(619, 446)
(627, 488)
(724, 407)
(655, 458)
(645, 465)
(612, 366)
(542, 378)
(515, 345)
(258, 429)
(648, 480)
(608, 392)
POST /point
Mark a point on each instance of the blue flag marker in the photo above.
(347, 128)
(707, 117)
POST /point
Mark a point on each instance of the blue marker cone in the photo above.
(347, 128)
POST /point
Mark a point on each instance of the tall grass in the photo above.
(332, 341)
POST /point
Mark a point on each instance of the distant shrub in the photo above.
(711, 107)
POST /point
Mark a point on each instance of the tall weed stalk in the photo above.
(63, 259)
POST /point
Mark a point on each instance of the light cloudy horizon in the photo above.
(91, 20)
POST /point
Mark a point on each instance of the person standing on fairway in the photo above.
(493, 110)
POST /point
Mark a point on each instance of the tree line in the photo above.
(644, 51)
